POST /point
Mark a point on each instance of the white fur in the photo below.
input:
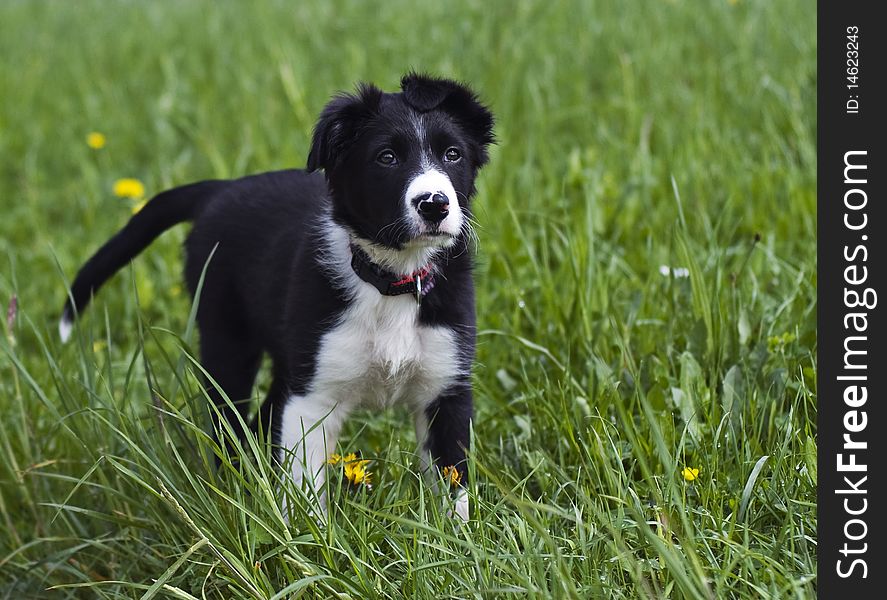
(462, 504)
(65, 327)
(419, 128)
(311, 425)
(432, 181)
(378, 354)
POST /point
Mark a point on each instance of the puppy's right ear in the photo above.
(340, 124)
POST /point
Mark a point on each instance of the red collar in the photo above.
(418, 283)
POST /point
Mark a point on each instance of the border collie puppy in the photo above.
(357, 281)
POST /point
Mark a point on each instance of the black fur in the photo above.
(266, 289)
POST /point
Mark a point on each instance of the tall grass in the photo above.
(632, 137)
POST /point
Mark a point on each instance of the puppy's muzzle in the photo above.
(434, 208)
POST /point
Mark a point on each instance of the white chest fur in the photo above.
(379, 353)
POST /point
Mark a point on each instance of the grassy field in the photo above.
(645, 381)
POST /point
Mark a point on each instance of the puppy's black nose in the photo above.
(434, 208)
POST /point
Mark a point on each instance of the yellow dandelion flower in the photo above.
(690, 474)
(452, 475)
(95, 140)
(356, 472)
(129, 188)
(354, 468)
(99, 345)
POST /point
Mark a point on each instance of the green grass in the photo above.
(631, 135)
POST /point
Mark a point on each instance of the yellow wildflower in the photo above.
(99, 345)
(453, 475)
(356, 473)
(355, 469)
(129, 188)
(95, 140)
(690, 474)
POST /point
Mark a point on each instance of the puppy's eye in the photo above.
(387, 158)
(452, 155)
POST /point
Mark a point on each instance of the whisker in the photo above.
(399, 223)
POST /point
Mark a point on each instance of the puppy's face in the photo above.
(401, 167)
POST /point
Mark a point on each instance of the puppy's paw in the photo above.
(459, 506)
(462, 505)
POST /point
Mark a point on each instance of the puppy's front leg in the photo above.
(444, 430)
(309, 428)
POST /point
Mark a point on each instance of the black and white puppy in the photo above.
(356, 281)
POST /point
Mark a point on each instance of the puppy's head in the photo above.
(401, 166)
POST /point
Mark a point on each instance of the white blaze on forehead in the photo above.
(419, 127)
(433, 181)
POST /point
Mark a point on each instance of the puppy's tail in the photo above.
(159, 214)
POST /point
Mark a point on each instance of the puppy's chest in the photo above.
(379, 353)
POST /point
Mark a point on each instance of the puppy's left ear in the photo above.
(426, 93)
(340, 124)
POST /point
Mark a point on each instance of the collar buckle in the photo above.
(418, 289)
